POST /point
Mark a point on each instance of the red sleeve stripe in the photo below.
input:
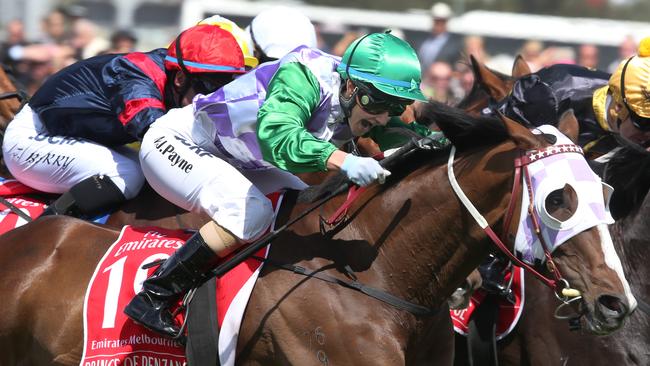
(144, 63)
(134, 106)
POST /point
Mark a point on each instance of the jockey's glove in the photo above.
(363, 171)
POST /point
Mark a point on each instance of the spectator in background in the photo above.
(15, 39)
(440, 45)
(122, 41)
(531, 51)
(475, 46)
(626, 49)
(15, 35)
(558, 55)
(320, 40)
(55, 28)
(588, 56)
(86, 42)
(463, 80)
(342, 44)
(436, 83)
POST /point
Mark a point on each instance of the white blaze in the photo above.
(613, 262)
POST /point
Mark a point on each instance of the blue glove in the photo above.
(363, 171)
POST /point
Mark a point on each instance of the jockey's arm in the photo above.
(137, 99)
(293, 94)
(389, 137)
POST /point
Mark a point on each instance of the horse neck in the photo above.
(425, 242)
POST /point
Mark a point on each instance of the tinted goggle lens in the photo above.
(374, 105)
(639, 122)
(203, 86)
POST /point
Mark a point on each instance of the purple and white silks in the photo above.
(550, 174)
(233, 109)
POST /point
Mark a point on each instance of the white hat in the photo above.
(279, 30)
(441, 11)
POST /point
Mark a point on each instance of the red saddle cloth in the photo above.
(112, 338)
(16, 193)
(509, 313)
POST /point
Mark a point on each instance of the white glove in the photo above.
(363, 171)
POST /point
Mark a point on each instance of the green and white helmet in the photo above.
(385, 62)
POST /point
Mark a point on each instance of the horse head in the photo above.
(556, 223)
(563, 223)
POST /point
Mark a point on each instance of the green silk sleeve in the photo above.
(292, 96)
(387, 138)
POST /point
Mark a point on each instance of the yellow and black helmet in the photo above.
(629, 85)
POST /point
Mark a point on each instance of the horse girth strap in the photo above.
(396, 302)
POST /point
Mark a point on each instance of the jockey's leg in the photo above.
(91, 177)
(196, 179)
(184, 270)
(88, 198)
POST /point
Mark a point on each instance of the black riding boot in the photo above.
(184, 270)
(88, 198)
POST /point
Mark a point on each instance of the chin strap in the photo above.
(188, 75)
(347, 103)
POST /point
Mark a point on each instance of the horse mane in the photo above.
(463, 130)
(475, 93)
(628, 171)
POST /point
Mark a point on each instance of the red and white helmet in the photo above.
(205, 49)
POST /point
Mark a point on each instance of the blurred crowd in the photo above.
(65, 38)
(446, 77)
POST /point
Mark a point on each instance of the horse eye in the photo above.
(554, 200)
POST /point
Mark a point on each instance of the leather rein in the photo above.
(558, 284)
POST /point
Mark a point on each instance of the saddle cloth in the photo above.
(509, 313)
(111, 338)
(16, 194)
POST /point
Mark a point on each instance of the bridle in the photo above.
(558, 284)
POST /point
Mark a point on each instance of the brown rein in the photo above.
(521, 163)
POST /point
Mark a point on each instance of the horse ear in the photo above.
(491, 82)
(520, 67)
(522, 136)
(569, 126)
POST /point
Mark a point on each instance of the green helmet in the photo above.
(385, 62)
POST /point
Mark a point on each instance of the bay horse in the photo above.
(628, 171)
(411, 237)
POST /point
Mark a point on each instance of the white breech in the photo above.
(53, 164)
(181, 163)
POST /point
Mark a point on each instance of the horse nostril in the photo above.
(612, 306)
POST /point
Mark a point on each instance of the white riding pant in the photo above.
(181, 162)
(53, 164)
